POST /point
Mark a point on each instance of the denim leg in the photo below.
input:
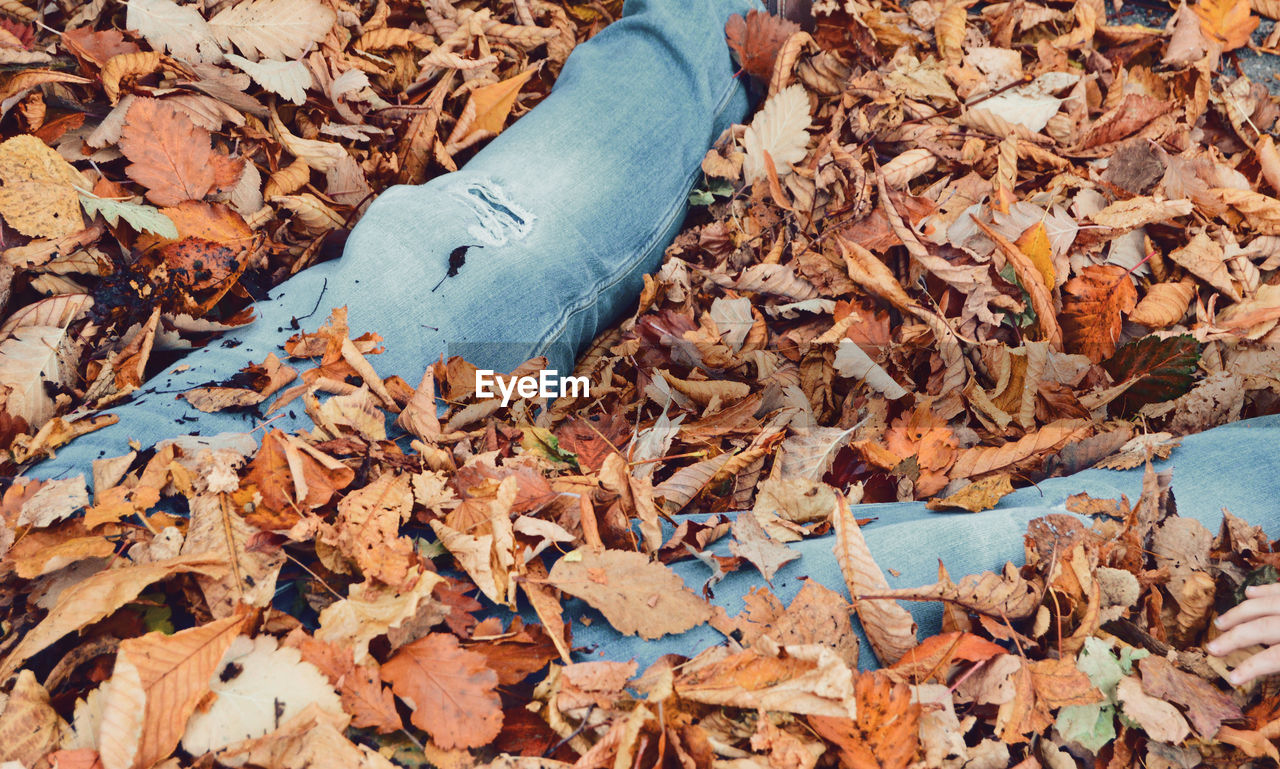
(1231, 467)
(556, 221)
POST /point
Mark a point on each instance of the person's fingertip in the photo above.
(1234, 678)
(1219, 622)
(1214, 648)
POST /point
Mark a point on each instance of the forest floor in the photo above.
(958, 250)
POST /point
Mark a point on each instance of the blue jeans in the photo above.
(561, 216)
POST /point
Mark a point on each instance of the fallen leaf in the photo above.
(155, 686)
(452, 694)
(889, 627)
(636, 596)
(38, 189)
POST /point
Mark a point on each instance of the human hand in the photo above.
(1256, 620)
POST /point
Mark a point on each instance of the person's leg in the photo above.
(1230, 467)
(560, 216)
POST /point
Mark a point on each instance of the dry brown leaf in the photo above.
(808, 680)
(1227, 21)
(1007, 595)
(1160, 720)
(29, 726)
(171, 156)
(451, 692)
(1093, 307)
(1202, 256)
(367, 529)
(217, 529)
(97, 596)
(888, 626)
(38, 194)
(155, 686)
(1031, 279)
(984, 459)
(636, 596)
(885, 733)
(1164, 304)
(980, 495)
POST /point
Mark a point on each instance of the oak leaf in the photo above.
(370, 704)
(372, 609)
(451, 691)
(38, 189)
(155, 686)
(636, 596)
(752, 543)
(1093, 305)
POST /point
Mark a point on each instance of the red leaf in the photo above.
(757, 39)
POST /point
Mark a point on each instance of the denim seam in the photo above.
(554, 335)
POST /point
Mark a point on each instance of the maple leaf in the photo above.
(451, 691)
(171, 156)
(1093, 306)
(885, 733)
(1159, 369)
(757, 39)
(1230, 22)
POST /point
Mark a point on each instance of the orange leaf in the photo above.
(280, 467)
(1228, 21)
(935, 655)
(156, 684)
(453, 694)
(885, 734)
(1092, 307)
(171, 156)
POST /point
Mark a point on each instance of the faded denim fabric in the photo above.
(1232, 467)
(561, 215)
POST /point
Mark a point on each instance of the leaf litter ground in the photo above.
(958, 249)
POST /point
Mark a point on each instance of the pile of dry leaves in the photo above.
(958, 248)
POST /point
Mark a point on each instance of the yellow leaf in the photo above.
(38, 189)
(1228, 21)
(494, 102)
(1035, 244)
